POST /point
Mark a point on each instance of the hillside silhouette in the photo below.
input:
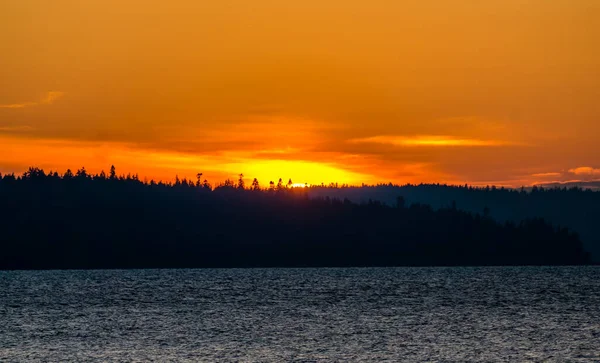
(574, 207)
(83, 221)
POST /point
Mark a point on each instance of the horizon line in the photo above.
(293, 185)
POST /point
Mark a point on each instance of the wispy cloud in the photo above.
(16, 128)
(51, 97)
(546, 175)
(19, 105)
(427, 140)
(48, 99)
(582, 174)
(585, 170)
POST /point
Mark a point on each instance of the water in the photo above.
(304, 315)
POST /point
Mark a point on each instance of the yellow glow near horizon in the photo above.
(59, 155)
(300, 172)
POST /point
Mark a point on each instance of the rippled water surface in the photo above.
(304, 315)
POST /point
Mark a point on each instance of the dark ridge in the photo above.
(80, 221)
(575, 207)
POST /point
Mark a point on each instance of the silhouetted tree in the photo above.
(228, 183)
(81, 173)
(255, 185)
(241, 184)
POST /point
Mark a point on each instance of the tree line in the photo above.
(78, 220)
(574, 207)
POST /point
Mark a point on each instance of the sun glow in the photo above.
(160, 165)
(300, 172)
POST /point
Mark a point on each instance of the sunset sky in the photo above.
(502, 92)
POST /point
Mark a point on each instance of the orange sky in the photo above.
(497, 91)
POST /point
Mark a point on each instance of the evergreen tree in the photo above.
(255, 185)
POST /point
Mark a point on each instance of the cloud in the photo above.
(16, 128)
(546, 175)
(585, 170)
(575, 176)
(52, 96)
(426, 140)
(48, 99)
(19, 105)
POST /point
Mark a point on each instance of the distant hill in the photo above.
(591, 185)
(87, 221)
(573, 207)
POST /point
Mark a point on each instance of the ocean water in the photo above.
(502, 314)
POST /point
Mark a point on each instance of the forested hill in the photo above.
(84, 221)
(574, 207)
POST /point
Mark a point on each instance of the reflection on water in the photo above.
(393, 314)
